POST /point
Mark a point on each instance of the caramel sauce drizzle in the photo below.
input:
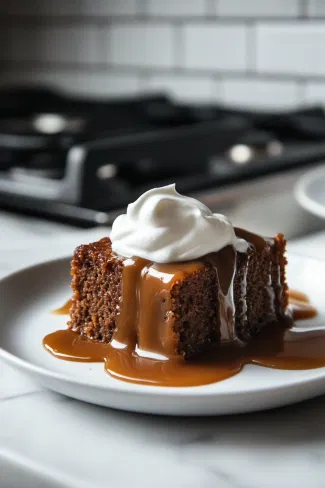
(300, 307)
(144, 346)
(64, 310)
(275, 347)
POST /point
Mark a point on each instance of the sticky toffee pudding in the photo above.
(183, 322)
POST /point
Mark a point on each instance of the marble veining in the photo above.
(66, 443)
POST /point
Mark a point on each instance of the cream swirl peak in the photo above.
(164, 226)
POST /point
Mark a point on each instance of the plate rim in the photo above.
(301, 195)
(138, 389)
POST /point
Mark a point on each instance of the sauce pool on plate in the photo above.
(275, 347)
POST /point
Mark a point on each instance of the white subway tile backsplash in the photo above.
(257, 8)
(200, 89)
(297, 49)
(95, 84)
(215, 47)
(190, 48)
(260, 93)
(73, 44)
(23, 8)
(109, 7)
(316, 8)
(68, 7)
(41, 8)
(102, 84)
(315, 92)
(141, 45)
(21, 43)
(178, 8)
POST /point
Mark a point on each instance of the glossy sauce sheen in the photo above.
(275, 347)
(144, 345)
(64, 310)
(300, 307)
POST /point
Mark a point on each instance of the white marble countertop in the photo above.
(47, 440)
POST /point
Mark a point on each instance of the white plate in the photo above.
(27, 297)
(310, 191)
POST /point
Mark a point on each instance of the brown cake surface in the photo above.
(187, 314)
(97, 288)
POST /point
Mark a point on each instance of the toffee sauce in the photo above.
(151, 360)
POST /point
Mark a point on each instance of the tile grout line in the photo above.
(142, 9)
(141, 17)
(178, 45)
(303, 10)
(103, 43)
(251, 45)
(211, 9)
(8, 67)
(301, 91)
(219, 84)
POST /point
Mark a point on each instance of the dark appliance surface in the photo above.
(82, 160)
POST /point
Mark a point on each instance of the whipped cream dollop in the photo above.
(164, 227)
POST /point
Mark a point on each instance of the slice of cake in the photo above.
(176, 279)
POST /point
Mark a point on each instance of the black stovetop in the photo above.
(81, 160)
